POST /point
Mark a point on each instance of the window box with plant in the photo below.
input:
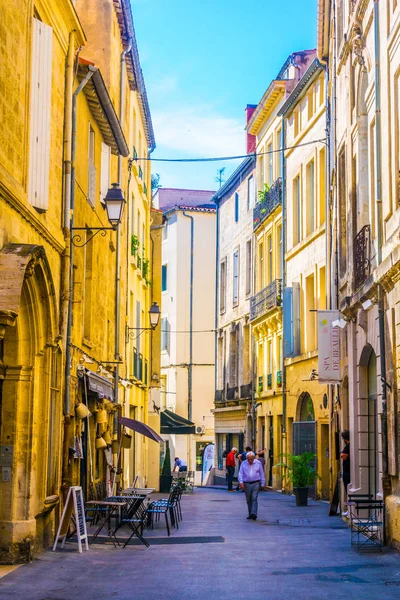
(298, 470)
(134, 245)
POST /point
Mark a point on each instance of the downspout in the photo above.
(70, 217)
(284, 277)
(216, 296)
(118, 244)
(381, 306)
(190, 371)
(65, 282)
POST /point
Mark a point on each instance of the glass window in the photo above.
(236, 207)
(250, 192)
(236, 277)
(200, 446)
(222, 289)
(164, 282)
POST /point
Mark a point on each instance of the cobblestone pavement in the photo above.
(288, 552)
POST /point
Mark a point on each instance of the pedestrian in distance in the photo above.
(345, 456)
(251, 480)
(181, 464)
(230, 467)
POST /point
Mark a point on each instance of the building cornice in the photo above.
(313, 71)
(273, 94)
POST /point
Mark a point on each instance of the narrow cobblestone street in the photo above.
(217, 553)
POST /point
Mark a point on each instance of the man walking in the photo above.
(230, 467)
(251, 480)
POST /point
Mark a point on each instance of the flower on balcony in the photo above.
(134, 245)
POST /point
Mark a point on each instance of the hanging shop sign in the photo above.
(328, 347)
(74, 507)
(208, 461)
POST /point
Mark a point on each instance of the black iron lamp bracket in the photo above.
(131, 332)
(386, 383)
(76, 240)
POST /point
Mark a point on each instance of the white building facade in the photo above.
(235, 201)
(187, 323)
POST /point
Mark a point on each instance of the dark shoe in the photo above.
(249, 517)
(254, 517)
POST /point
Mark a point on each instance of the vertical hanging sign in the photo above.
(328, 347)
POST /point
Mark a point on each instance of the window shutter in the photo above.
(287, 322)
(105, 171)
(296, 319)
(39, 157)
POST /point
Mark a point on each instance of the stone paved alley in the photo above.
(217, 553)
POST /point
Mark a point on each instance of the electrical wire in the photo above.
(219, 158)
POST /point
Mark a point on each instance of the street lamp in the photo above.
(154, 314)
(114, 201)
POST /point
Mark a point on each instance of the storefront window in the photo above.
(199, 454)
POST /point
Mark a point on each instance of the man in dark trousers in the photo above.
(230, 467)
(251, 480)
(345, 456)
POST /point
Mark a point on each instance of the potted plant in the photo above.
(166, 477)
(300, 473)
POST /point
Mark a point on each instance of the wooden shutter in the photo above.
(39, 157)
(105, 171)
(296, 319)
(287, 322)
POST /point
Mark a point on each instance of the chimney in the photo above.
(250, 139)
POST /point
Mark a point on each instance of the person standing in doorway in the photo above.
(345, 456)
(230, 467)
(181, 464)
(251, 480)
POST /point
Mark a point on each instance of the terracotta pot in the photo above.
(126, 441)
(82, 411)
(100, 443)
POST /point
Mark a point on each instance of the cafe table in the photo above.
(112, 509)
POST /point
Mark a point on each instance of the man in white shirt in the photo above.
(251, 480)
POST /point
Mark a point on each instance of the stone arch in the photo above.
(305, 408)
(28, 334)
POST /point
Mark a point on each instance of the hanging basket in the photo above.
(82, 411)
(107, 437)
(100, 443)
(101, 416)
(126, 441)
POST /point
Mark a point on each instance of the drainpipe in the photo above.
(190, 372)
(378, 190)
(70, 217)
(283, 270)
(118, 244)
(65, 282)
(216, 296)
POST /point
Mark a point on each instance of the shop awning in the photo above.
(99, 385)
(140, 427)
(171, 423)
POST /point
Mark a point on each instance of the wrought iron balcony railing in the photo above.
(263, 209)
(245, 390)
(362, 255)
(268, 299)
(219, 396)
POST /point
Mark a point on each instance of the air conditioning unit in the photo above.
(200, 429)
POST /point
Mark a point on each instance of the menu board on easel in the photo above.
(73, 505)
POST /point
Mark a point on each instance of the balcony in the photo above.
(268, 299)
(279, 378)
(230, 393)
(245, 391)
(272, 199)
(362, 256)
(219, 396)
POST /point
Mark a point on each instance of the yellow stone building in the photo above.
(79, 121)
(307, 411)
(266, 303)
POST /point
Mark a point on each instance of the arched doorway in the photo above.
(304, 429)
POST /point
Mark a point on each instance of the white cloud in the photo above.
(198, 131)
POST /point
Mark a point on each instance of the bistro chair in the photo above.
(367, 523)
(165, 506)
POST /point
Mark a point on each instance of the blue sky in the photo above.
(203, 61)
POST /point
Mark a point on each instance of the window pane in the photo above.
(164, 278)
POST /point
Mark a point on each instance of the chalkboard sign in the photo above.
(73, 505)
